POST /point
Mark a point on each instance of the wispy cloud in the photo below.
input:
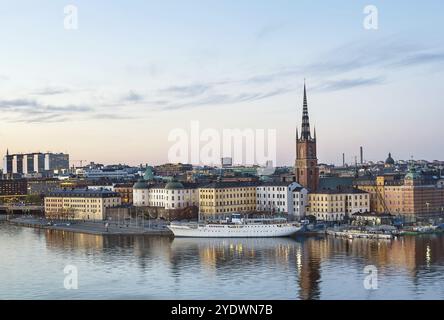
(50, 91)
(187, 90)
(132, 97)
(109, 116)
(31, 111)
(268, 30)
(343, 84)
(350, 66)
(224, 99)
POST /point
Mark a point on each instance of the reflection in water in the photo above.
(159, 267)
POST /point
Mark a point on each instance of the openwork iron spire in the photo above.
(306, 135)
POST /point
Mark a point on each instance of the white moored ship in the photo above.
(236, 228)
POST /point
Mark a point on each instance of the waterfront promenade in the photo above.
(156, 227)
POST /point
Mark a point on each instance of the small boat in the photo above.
(237, 227)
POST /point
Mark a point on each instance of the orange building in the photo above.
(411, 196)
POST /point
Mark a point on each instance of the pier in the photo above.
(92, 227)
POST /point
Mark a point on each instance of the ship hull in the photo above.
(235, 231)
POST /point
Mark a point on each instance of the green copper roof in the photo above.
(140, 184)
(148, 175)
(174, 185)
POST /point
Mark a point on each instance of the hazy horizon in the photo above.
(112, 90)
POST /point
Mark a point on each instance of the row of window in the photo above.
(231, 196)
(226, 203)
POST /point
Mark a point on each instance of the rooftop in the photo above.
(223, 185)
(83, 193)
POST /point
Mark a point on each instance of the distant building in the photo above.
(226, 162)
(412, 196)
(83, 204)
(96, 174)
(173, 195)
(222, 198)
(30, 164)
(389, 162)
(306, 166)
(335, 205)
(42, 186)
(126, 192)
(13, 187)
(171, 169)
(282, 197)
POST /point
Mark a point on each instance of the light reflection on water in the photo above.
(128, 267)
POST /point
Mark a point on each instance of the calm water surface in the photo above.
(128, 267)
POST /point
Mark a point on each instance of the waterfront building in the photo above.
(336, 205)
(412, 196)
(306, 165)
(141, 193)
(223, 198)
(8, 188)
(83, 204)
(126, 192)
(282, 197)
(173, 195)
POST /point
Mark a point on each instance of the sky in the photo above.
(113, 89)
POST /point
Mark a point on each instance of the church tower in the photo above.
(306, 166)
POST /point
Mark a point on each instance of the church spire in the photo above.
(306, 135)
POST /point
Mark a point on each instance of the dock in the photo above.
(87, 227)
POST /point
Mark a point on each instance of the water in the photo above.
(129, 267)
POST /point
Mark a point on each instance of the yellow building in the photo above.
(82, 204)
(411, 196)
(221, 198)
(335, 205)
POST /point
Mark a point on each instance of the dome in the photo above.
(174, 185)
(148, 175)
(390, 160)
(140, 184)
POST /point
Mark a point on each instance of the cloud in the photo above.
(108, 116)
(268, 30)
(50, 91)
(350, 66)
(420, 58)
(336, 85)
(132, 97)
(30, 110)
(49, 118)
(224, 99)
(187, 90)
(371, 56)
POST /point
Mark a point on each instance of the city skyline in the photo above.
(112, 90)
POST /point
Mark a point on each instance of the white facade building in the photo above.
(282, 197)
(173, 195)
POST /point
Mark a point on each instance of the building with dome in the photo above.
(172, 195)
(389, 162)
(412, 196)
